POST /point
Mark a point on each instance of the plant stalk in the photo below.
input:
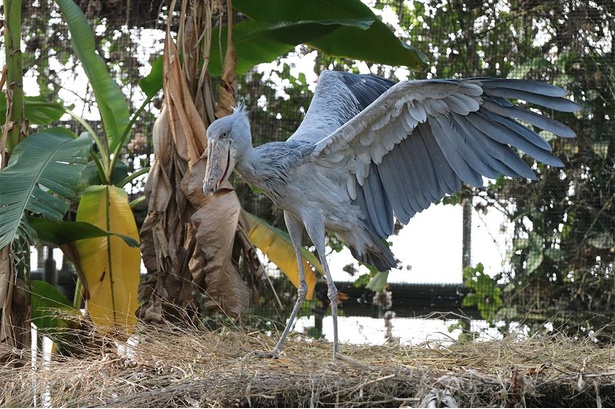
(15, 301)
(15, 128)
(102, 163)
(118, 149)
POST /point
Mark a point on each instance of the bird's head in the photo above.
(227, 139)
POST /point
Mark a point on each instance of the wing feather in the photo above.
(418, 112)
(392, 181)
(533, 87)
(458, 106)
(401, 147)
(339, 96)
(546, 101)
(454, 151)
(400, 163)
(505, 160)
(473, 153)
(448, 181)
(416, 150)
(380, 212)
(416, 170)
(540, 121)
(500, 130)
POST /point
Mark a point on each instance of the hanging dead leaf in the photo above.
(190, 236)
(226, 100)
(165, 243)
(216, 224)
(185, 122)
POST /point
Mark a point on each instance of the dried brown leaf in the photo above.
(188, 238)
(228, 79)
(216, 224)
(185, 122)
(165, 241)
(158, 188)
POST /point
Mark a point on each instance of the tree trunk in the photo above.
(189, 240)
(16, 308)
(14, 259)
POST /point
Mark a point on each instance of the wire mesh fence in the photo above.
(553, 238)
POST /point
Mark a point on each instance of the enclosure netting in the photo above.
(557, 264)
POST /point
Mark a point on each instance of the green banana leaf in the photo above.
(343, 28)
(38, 110)
(47, 303)
(64, 232)
(375, 43)
(263, 41)
(111, 101)
(41, 176)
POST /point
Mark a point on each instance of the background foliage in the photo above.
(560, 268)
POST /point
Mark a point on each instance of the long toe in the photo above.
(265, 354)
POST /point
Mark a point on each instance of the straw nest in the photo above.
(176, 367)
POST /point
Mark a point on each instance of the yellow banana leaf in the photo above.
(276, 245)
(109, 266)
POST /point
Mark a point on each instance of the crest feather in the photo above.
(240, 109)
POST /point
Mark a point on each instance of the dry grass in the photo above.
(175, 367)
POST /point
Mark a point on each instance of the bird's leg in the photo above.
(316, 231)
(295, 230)
(332, 294)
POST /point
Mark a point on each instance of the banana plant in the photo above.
(45, 174)
(108, 266)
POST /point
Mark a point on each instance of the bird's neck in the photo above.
(249, 165)
(268, 165)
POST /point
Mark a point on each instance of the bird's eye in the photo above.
(224, 135)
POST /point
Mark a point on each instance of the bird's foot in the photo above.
(269, 355)
(345, 358)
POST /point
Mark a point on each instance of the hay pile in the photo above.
(175, 367)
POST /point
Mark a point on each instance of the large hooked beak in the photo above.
(220, 164)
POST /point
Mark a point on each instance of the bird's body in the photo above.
(276, 168)
(369, 151)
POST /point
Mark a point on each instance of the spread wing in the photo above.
(339, 97)
(419, 140)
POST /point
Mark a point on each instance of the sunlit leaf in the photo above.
(152, 83)
(554, 254)
(110, 266)
(276, 245)
(534, 260)
(378, 281)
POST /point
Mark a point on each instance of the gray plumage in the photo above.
(370, 150)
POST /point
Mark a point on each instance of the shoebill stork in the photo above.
(370, 150)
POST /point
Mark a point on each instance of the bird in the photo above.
(370, 150)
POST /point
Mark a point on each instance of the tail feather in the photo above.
(381, 257)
